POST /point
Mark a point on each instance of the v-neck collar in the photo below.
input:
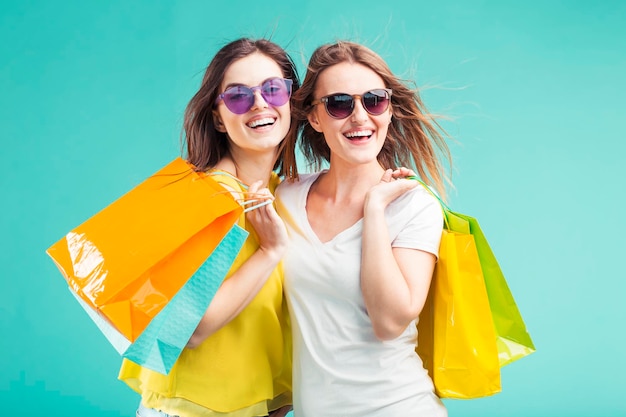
(345, 234)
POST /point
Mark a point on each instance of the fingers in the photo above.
(402, 172)
(259, 207)
(270, 230)
(387, 176)
(254, 187)
(257, 197)
(398, 173)
(256, 193)
(401, 185)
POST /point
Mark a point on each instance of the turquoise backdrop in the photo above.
(91, 101)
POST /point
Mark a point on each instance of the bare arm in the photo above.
(394, 281)
(240, 289)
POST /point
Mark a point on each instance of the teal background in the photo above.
(91, 102)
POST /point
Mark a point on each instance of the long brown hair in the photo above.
(414, 138)
(205, 145)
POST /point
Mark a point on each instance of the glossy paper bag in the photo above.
(513, 339)
(129, 260)
(456, 336)
(510, 337)
(160, 345)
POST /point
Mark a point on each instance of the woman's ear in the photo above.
(217, 120)
(313, 121)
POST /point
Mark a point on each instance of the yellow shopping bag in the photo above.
(456, 335)
(470, 325)
(131, 258)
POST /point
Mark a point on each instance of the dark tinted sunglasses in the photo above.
(341, 105)
(239, 98)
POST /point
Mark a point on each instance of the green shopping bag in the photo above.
(511, 337)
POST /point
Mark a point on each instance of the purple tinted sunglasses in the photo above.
(239, 98)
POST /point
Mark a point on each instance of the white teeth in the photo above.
(359, 133)
(260, 122)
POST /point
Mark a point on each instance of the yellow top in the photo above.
(243, 369)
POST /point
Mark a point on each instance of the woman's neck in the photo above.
(347, 183)
(249, 168)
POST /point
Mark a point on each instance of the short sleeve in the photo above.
(418, 220)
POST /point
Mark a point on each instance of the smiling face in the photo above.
(263, 127)
(357, 139)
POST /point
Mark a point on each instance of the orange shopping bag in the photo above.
(131, 258)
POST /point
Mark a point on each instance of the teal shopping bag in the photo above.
(162, 341)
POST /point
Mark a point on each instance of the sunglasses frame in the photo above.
(324, 100)
(287, 82)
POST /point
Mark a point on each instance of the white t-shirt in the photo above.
(340, 367)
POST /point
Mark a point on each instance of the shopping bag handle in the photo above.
(444, 207)
(241, 201)
(256, 206)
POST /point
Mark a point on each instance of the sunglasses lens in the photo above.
(238, 99)
(276, 91)
(376, 101)
(340, 105)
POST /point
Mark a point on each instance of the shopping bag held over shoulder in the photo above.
(470, 325)
(130, 259)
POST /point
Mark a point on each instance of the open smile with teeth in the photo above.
(266, 121)
(361, 134)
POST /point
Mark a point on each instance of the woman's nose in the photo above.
(259, 101)
(359, 114)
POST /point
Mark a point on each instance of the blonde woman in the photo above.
(363, 238)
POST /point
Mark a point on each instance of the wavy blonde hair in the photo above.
(414, 138)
